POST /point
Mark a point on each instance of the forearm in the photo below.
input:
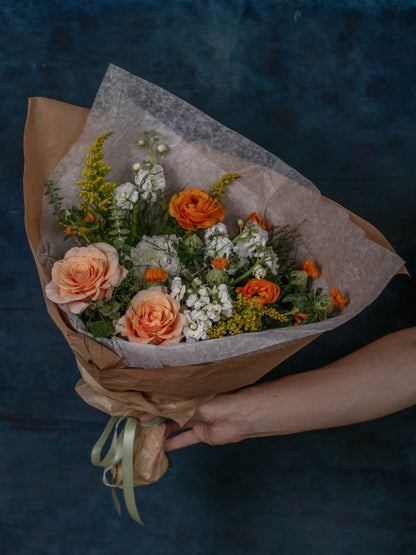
(378, 379)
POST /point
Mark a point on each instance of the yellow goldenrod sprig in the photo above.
(218, 189)
(245, 317)
(95, 191)
(275, 315)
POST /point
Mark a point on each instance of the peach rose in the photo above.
(84, 274)
(152, 317)
(264, 291)
(194, 209)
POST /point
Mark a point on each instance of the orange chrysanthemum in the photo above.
(155, 274)
(219, 263)
(338, 298)
(264, 291)
(256, 218)
(195, 209)
(311, 268)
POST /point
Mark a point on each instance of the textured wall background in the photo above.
(329, 86)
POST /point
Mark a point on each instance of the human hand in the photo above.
(216, 421)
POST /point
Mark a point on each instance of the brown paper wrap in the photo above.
(51, 129)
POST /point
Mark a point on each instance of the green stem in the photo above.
(85, 237)
(133, 224)
(246, 274)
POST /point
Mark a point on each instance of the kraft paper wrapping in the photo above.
(107, 382)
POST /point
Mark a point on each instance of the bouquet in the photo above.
(158, 271)
(159, 310)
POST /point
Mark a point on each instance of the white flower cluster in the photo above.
(217, 242)
(149, 182)
(251, 244)
(206, 305)
(125, 196)
(158, 250)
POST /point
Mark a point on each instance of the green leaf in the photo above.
(118, 243)
(299, 300)
(102, 328)
(310, 319)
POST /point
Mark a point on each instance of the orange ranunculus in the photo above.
(194, 209)
(264, 291)
(152, 317)
(311, 268)
(85, 274)
(256, 218)
(338, 299)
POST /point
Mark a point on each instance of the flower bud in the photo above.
(324, 304)
(156, 138)
(162, 149)
(136, 167)
(240, 222)
(216, 277)
(141, 143)
(298, 279)
(193, 244)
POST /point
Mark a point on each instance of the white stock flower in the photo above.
(125, 196)
(251, 241)
(219, 229)
(150, 181)
(177, 289)
(217, 242)
(214, 311)
(218, 247)
(207, 305)
(194, 330)
(201, 303)
(157, 250)
(191, 300)
(259, 272)
(271, 260)
(222, 296)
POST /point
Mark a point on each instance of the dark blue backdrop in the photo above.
(329, 86)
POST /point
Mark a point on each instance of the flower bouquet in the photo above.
(190, 272)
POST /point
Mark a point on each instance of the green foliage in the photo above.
(54, 199)
(285, 240)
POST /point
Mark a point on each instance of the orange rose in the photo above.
(194, 209)
(84, 274)
(152, 317)
(264, 291)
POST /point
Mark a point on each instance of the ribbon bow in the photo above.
(121, 450)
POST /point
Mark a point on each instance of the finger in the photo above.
(146, 417)
(173, 426)
(181, 440)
